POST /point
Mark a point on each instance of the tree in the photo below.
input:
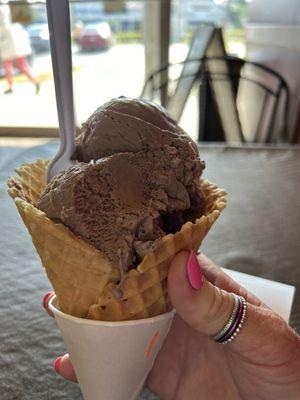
(21, 13)
(237, 12)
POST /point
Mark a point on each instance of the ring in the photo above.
(235, 322)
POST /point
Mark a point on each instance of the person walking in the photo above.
(14, 50)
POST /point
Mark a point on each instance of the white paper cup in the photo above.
(112, 359)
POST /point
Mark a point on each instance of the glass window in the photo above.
(108, 54)
(187, 16)
(108, 60)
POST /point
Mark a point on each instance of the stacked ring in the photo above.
(235, 322)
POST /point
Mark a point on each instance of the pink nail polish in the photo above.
(46, 298)
(56, 364)
(194, 272)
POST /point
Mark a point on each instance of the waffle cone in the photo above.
(84, 279)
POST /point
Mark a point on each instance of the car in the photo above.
(97, 36)
(39, 37)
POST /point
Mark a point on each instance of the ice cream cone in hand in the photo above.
(107, 229)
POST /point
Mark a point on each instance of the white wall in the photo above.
(274, 11)
(273, 38)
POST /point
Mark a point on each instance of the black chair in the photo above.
(239, 100)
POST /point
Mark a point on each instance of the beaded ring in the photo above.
(235, 322)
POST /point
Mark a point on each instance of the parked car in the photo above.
(39, 37)
(96, 36)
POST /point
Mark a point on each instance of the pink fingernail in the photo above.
(194, 272)
(56, 364)
(46, 299)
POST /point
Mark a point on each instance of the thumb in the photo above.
(200, 304)
(265, 337)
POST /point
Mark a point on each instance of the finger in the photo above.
(264, 337)
(48, 296)
(202, 305)
(219, 278)
(63, 366)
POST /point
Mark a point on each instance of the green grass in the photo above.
(129, 37)
(234, 35)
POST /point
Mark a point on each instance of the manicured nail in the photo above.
(194, 272)
(56, 364)
(46, 298)
(46, 302)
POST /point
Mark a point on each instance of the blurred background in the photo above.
(117, 45)
(108, 51)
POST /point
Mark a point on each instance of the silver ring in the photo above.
(230, 320)
(235, 322)
(239, 326)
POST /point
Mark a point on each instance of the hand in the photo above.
(262, 362)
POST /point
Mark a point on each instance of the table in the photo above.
(258, 233)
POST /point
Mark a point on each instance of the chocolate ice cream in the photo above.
(126, 124)
(138, 180)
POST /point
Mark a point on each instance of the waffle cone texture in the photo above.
(85, 281)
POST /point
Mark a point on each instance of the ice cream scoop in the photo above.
(136, 183)
(126, 124)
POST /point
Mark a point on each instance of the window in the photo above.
(108, 53)
(108, 61)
